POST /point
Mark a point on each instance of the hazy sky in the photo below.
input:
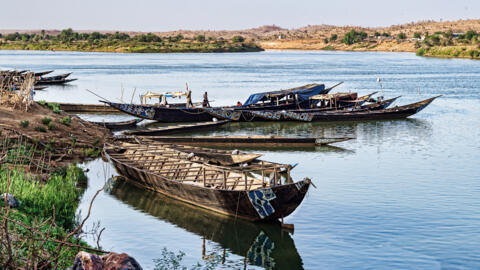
(161, 15)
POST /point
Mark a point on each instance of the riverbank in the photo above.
(470, 52)
(317, 44)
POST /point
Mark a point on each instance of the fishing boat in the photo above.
(176, 129)
(397, 112)
(236, 141)
(204, 155)
(253, 164)
(376, 105)
(87, 108)
(293, 98)
(377, 113)
(119, 125)
(233, 192)
(42, 73)
(162, 113)
(60, 81)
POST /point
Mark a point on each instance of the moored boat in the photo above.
(162, 113)
(59, 81)
(236, 141)
(373, 112)
(176, 129)
(234, 192)
(119, 125)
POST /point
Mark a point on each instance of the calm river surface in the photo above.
(404, 195)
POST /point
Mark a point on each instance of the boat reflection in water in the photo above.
(263, 245)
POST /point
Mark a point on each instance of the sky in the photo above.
(162, 15)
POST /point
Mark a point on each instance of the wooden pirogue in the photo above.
(119, 125)
(235, 141)
(89, 108)
(235, 192)
(214, 155)
(176, 129)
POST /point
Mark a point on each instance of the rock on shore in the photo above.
(110, 261)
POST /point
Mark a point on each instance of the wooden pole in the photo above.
(204, 180)
(263, 173)
(246, 188)
(224, 179)
(275, 175)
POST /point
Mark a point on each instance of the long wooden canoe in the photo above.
(59, 81)
(203, 155)
(256, 164)
(233, 192)
(176, 129)
(42, 73)
(235, 141)
(119, 125)
(87, 108)
(162, 113)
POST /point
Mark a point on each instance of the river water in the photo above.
(404, 195)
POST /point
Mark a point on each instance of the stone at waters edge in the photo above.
(11, 200)
(110, 261)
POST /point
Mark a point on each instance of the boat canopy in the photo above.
(176, 94)
(303, 94)
(335, 96)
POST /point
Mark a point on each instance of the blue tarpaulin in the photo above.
(303, 94)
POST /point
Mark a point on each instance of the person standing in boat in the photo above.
(189, 99)
(205, 100)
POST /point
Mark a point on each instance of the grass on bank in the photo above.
(40, 203)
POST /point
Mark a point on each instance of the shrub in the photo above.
(40, 129)
(377, 34)
(353, 37)
(66, 120)
(24, 123)
(238, 39)
(54, 107)
(333, 37)
(201, 38)
(42, 102)
(50, 126)
(421, 52)
(417, 35)
(46, 120)
(401, 36)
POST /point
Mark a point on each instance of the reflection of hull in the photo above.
(273, 246)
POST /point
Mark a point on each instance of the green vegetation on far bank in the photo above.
(68, 40)
(450, 45)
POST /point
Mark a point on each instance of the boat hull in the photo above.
(163, 114)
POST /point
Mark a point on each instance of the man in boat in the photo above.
(239, 104)
(205, 100)
(189, 99)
